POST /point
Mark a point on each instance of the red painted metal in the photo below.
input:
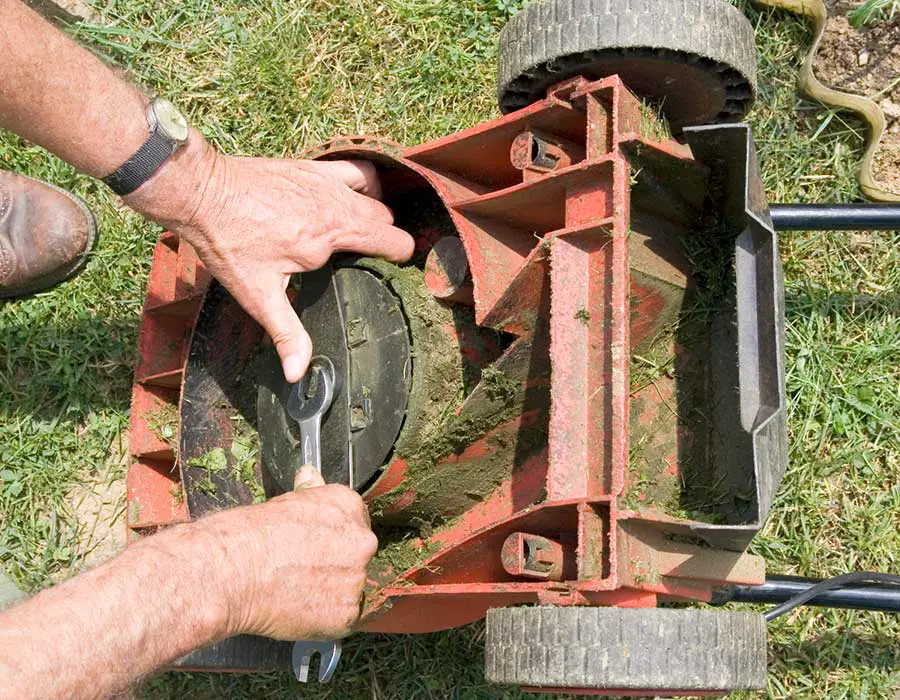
(447, 272)
(175, 291)
(552, 260)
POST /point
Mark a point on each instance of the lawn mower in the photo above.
(569, 408)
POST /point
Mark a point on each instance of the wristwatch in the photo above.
(168, 132)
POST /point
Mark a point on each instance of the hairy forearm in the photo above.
(94, 635)
(291, 568)
(253, 222)
(60, 96)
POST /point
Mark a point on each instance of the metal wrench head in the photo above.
(313, 394)
(308, 402)
(329, 655)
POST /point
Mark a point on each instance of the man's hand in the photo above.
(298, 562)
(291, 568)
(254, 222)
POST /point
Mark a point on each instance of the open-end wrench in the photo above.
(307, 404)
(329, 655)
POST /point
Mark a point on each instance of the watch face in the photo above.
(170, 120)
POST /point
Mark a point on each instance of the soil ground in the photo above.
(97, 502)
(866, 61)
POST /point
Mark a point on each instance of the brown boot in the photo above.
(45, 235)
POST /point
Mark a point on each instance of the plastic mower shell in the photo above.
(576, 432)
(571, 398)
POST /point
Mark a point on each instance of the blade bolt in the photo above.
(357, 333)
(360, 415)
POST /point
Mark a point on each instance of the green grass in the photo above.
(272, 77)
(873, 11)
(837, 509)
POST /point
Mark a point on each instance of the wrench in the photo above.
(329, 655)
(307, 403)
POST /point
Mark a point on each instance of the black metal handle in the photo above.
(780, 589)
(868, 216)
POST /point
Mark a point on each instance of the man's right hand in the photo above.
(296, 565)
(291, 568)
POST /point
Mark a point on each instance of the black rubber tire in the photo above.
(652, 649)
(695, 58)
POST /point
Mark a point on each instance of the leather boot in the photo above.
(45, 235)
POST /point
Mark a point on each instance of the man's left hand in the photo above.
(255, 222)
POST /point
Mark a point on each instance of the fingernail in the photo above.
(307, 477)
(293, 368)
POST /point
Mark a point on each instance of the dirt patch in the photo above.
(10, 593)
(66, 10)
(866, 61)
(98, 504)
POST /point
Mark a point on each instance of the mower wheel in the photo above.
(626, 649)
(693, 59)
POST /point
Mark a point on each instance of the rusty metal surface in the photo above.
(579, 266)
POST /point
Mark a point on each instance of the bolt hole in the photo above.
(540, 157)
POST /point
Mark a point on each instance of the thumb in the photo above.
(307, 477)
(291, 340)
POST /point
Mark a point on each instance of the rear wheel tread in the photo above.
(576, 33)
(638, 649)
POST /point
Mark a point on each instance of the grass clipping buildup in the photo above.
(435, 429)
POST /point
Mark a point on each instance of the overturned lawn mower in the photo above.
(567, 409)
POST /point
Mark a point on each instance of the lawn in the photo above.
(271, 77)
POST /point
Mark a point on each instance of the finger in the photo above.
(377, 239)
(292, 342)
(369, 208)
(359, 175)
(307, 477)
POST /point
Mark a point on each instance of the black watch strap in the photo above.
(142, 165)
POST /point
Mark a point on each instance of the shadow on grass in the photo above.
(441, 666)
(68, 368)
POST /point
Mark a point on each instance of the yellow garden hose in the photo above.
(871, 113)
